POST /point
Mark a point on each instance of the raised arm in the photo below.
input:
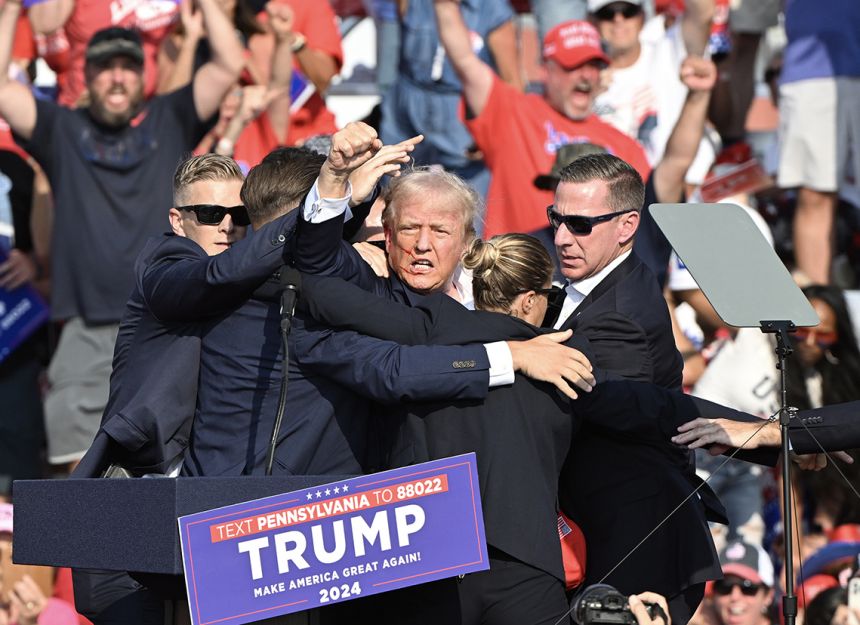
(696, 25)
(176, 54)
(17, 105)
(182, 284)
(278, 108)
(50, 15)
(213, 80)
(503, 45)
(316, 46)
(475, 75)
(699, 75)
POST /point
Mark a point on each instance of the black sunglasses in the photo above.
(580, 224)
(213, 214)
(748, 588)
(550, 290)
(608, 13)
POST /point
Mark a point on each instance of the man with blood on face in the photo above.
(428, 224)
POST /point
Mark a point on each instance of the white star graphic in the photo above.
(345, 488)
(319, 494)
(327, 492)
(310, 496)
(336, 490)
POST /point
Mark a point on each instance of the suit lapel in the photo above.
(553, 309)
(604, 286)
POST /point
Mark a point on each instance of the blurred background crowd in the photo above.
(779, 135)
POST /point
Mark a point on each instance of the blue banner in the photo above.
(22, 311)
(333, 543)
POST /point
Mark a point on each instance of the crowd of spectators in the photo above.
(505, 94)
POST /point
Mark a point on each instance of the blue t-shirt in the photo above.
(823, 39)
(112, 190)
(422, 57)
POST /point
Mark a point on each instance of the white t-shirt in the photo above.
(644, 100)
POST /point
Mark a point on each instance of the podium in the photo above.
(126, 524)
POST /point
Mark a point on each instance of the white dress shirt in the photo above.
(579, 290)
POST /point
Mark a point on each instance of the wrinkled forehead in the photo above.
(430, 207)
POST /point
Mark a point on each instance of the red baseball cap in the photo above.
(573, 43)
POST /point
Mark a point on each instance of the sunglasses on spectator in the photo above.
(823, 339)
(580, 224)
(213, 214)
(748, 588)
(608, 13)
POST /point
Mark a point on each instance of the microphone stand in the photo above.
(786, 413)
(291, 281)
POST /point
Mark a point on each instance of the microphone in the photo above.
(291, 283)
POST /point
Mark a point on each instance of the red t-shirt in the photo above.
(316, 21)
(519, 135)
(24, 44)
(152, 18)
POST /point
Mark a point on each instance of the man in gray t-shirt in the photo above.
(110, 164)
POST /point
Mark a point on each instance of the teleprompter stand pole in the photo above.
(783, 351)
(746, 287)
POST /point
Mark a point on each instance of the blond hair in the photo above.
(505, 266)
(203, 167)
(430, 183)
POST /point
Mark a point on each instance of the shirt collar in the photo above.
(586, 285)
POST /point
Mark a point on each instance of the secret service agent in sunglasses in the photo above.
(213, 214)
(580, 224)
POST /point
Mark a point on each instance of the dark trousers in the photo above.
(113, 598)
(683, 605)
(510, 593)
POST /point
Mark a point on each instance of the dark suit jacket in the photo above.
(147, 421)
(626, 320)
(331, 377)
(521, 433)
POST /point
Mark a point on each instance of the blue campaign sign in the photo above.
(22, 311)
(332, 543)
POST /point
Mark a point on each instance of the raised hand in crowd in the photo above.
(387, 160)
(17, 270)
(351, 147)
(252, 101)
(281, 18)
(192, 21)
(698, 73)
(545, 358)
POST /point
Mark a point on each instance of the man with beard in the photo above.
(110, 164)
(520, 134)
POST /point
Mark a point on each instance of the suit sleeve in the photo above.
(183, 284)
(319, 249)
(390, 373)
(620, 346)
(339, 304)
(834, 427)
(436, 319)
(652, 413)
